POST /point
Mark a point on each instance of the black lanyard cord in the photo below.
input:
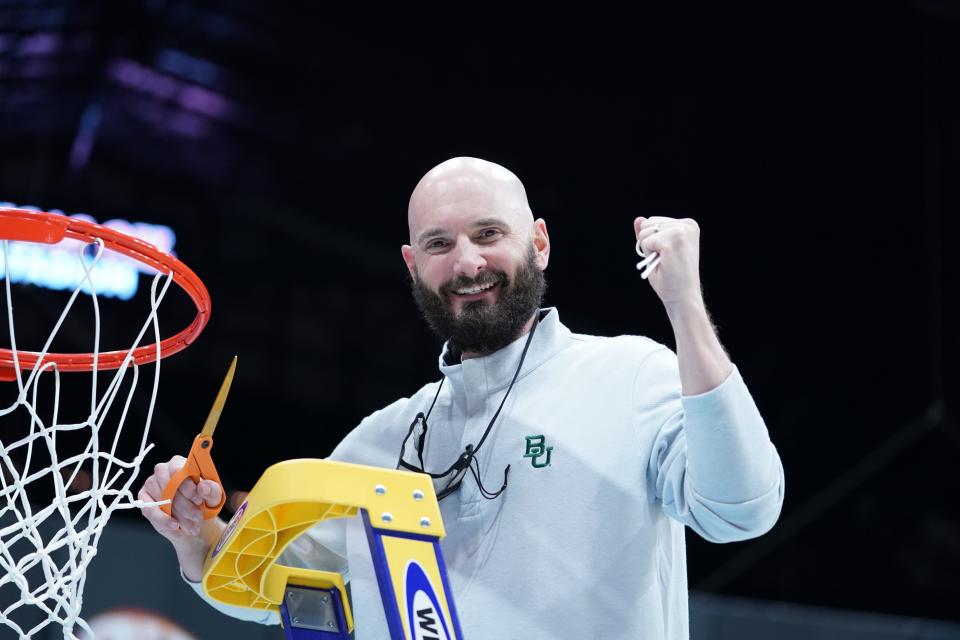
(516, 374)
(419, 446)
(467, 459)
(475, 470)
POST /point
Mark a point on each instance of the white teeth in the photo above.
(472, 290)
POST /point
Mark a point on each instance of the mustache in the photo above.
(482, 279)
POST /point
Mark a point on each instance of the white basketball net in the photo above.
(49, 574)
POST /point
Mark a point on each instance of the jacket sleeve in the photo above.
(711, 462)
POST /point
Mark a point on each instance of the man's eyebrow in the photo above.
(492, 222)
(430, 233)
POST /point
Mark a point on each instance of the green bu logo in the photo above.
(536, 450)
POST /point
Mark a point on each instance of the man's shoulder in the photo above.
(376, 440)
(634, 347)
(406, 407)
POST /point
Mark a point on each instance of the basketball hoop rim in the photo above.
(51, 228)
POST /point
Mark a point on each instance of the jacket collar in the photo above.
(476, 378)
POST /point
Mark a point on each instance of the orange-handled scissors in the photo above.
(199, 464)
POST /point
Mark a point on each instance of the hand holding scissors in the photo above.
(199, 464)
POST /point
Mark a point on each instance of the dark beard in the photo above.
(483, 327)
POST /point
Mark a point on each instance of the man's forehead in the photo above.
(467, 194)
(455, 205)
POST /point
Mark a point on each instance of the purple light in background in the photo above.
(39, 44)
(203, 101)
(192, 98)
(132, 74)
(183, 123)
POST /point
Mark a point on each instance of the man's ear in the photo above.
(541, 242)
(407, 252)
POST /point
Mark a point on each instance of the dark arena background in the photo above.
(817, 145)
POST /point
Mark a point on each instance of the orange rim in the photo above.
(51, 228)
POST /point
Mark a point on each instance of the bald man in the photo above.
(566, 465)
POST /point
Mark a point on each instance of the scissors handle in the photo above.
(199, 466)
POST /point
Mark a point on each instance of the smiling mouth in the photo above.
(469, 291)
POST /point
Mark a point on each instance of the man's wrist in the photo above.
(702, 360)
(192, 552)
(685, 309)
(191, 558)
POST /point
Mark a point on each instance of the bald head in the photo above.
(467, 184)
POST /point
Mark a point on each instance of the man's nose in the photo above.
(468, 261)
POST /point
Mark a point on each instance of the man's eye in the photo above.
(436, 244)
(489, 234)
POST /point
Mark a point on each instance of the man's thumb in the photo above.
(210, 491)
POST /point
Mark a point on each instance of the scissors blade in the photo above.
(211, 424)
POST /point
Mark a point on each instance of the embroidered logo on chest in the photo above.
(538, 452)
